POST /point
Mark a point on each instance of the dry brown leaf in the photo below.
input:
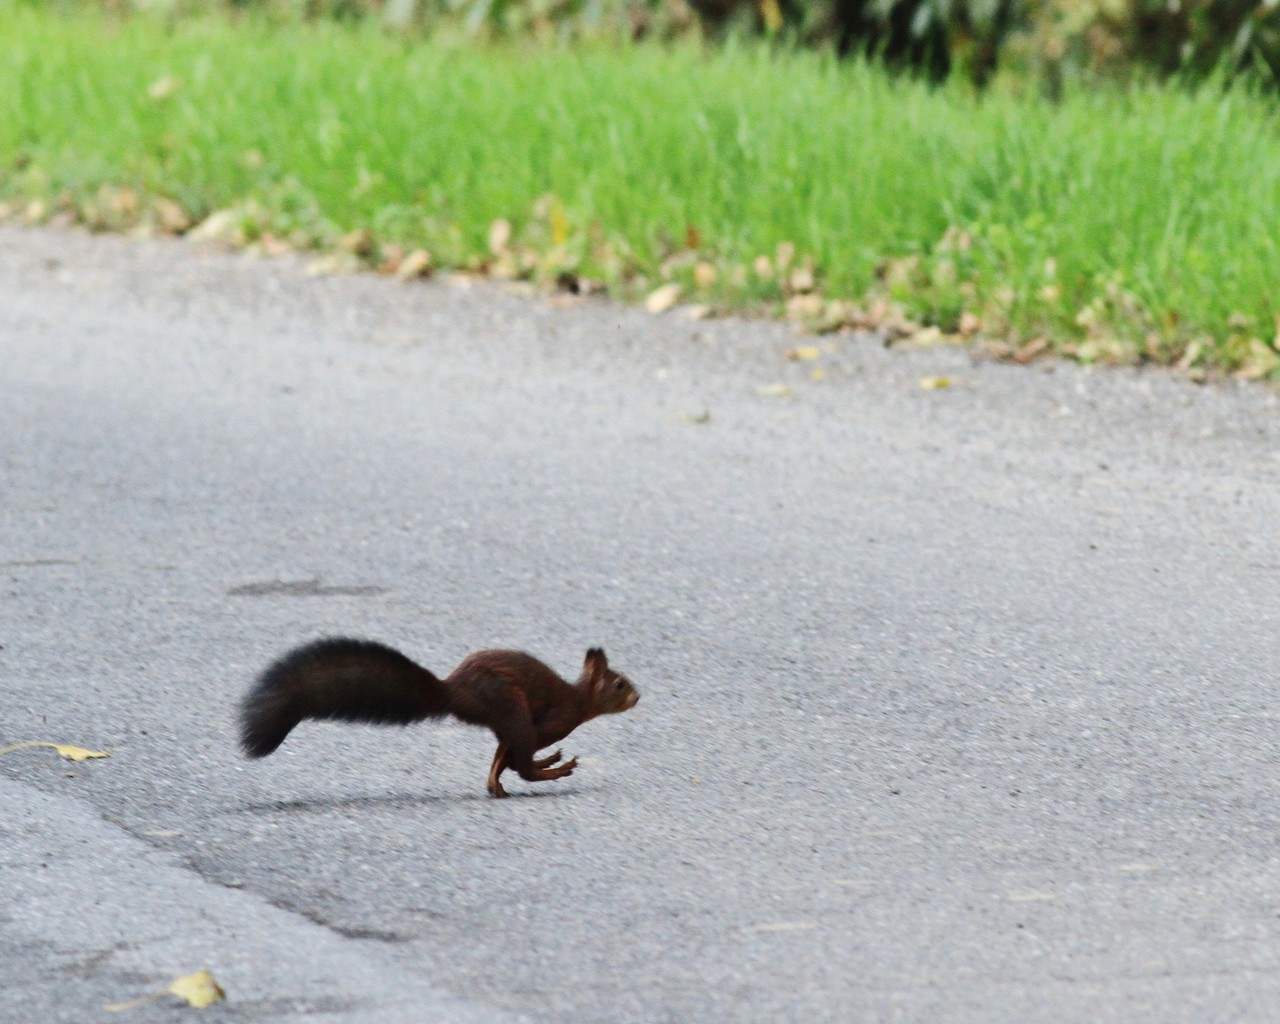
(801, 280)
(359, 242)
(1189, 357)
(331, 264)
(805, 307)
(171, 217)
(704, 274)
(416, 264)
(499, 236)
(1027, 352)
(123, 201)
(64, 750)
(217, 226)
(662, 298)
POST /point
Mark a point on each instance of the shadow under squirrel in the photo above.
(525, 703)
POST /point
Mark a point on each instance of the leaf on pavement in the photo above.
(199, 989)
(803, 352)
(935, 383)
(64, 750)
(772, 390)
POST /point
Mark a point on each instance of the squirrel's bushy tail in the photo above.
(352, 680)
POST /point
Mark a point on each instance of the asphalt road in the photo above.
(958, 705)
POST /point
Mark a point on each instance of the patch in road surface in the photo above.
(313, 587)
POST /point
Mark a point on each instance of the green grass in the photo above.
(1116, 225)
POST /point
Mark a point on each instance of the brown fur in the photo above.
(525, 703)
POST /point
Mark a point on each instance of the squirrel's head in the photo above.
(609, 691)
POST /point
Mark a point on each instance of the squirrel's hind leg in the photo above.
(540, 764)
(499, 765)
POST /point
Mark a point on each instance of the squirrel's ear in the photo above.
(595, 663)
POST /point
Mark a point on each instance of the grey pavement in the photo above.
(958, 705)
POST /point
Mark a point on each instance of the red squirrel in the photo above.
(526, 704)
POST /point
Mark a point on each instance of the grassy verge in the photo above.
(1116, 226)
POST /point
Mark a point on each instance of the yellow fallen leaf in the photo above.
(935, 383)
(817, 373)
(199, 989)
(662, 299)
(772, 390)
(64, 750)
(803, 352)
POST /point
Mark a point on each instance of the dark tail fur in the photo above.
(352, 680)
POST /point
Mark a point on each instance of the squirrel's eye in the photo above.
(621, 684)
